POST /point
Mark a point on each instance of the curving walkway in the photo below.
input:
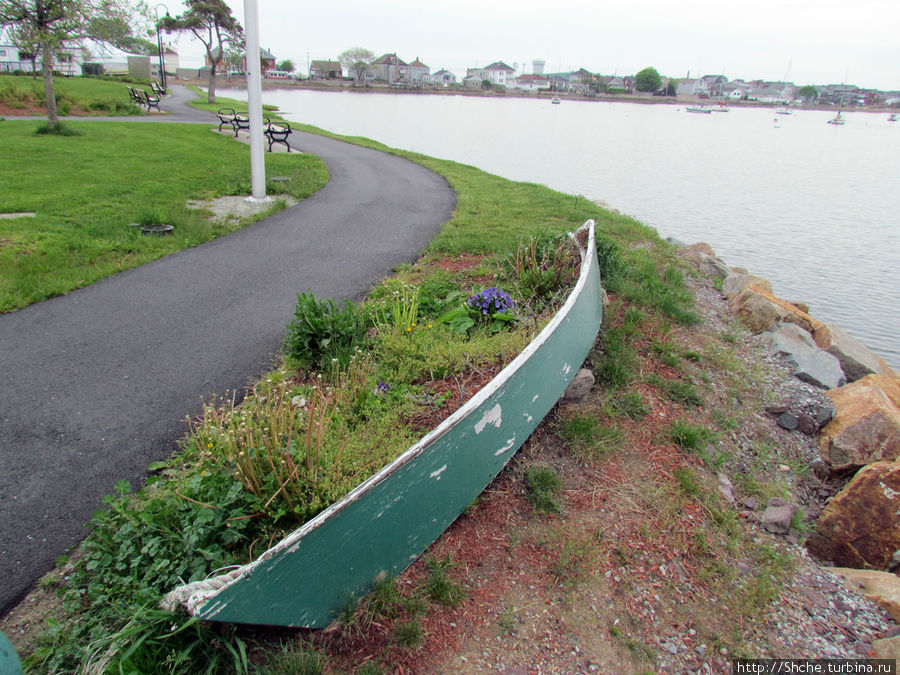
(96, 384)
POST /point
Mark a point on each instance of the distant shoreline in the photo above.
(343, 85)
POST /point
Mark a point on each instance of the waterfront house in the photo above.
(389, 68)
(418, 72)
(444, 77)
(498, 73)
(616, 84)
(472, 82)
(531, 83)
(325, 70)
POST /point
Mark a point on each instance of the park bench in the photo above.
(135, 96)
(274, 133)
(226, 116)
(149, 101)
(277, 133)
(141, 97)
(158, 89)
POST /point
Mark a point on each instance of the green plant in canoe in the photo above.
(492, 307)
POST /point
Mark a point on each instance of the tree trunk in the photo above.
(49, 92)
(211, 94)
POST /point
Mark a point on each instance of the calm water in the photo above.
(810, 206)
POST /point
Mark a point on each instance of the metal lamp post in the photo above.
(162, 60)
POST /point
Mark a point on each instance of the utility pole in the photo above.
(254, 101)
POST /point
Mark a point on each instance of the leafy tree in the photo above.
(647, 80)
(672, 87)
(213, 24)
(356, 60)
(808, 93)
(287, 66)
(486, 84)
(48, 26)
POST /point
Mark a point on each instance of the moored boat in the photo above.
(698, 109)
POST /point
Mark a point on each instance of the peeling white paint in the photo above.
(437, 474)
(887, 491)
(567, 369)
(536, 397)
(528, 418)
(511, 443)
(493, 416)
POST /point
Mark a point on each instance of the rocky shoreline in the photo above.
(845, 405)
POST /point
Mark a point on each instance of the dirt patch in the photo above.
(26, 111)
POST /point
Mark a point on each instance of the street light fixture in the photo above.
(162, 60)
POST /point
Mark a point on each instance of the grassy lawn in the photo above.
(75, 95)
(87, 190)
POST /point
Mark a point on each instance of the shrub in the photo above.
(320, 332)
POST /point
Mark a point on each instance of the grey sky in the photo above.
(809, 42)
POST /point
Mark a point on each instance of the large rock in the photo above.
(859, 527)
(810, 363)
(856, 359)
(882, 588)
(704, 259)
(738, 281)
(768, 308)
(866, 426)
(754, 311)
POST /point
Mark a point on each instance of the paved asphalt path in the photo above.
(95, 385)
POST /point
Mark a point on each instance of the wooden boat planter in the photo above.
(385, 523)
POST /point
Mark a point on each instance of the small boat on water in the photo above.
(837, 119)
(721, 108)
(555, 101)
(698, 109)
(893, 117)
(783, 112)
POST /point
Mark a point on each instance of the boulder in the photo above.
(579, 387)
(778, 516)
(856, 359)
(767, 304)
(754, 311)
(882, 588)
(737, 281)
(704, 259)
(866, 426)
(810, 363)
(859, 526)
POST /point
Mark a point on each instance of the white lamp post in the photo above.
(254, 100)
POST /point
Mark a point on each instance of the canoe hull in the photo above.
(388, 521)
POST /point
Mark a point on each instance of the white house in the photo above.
(498, 73)
(531, 83)
(444, 77)
(67, 62)
(10, 61)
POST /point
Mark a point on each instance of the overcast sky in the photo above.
(804, 41)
